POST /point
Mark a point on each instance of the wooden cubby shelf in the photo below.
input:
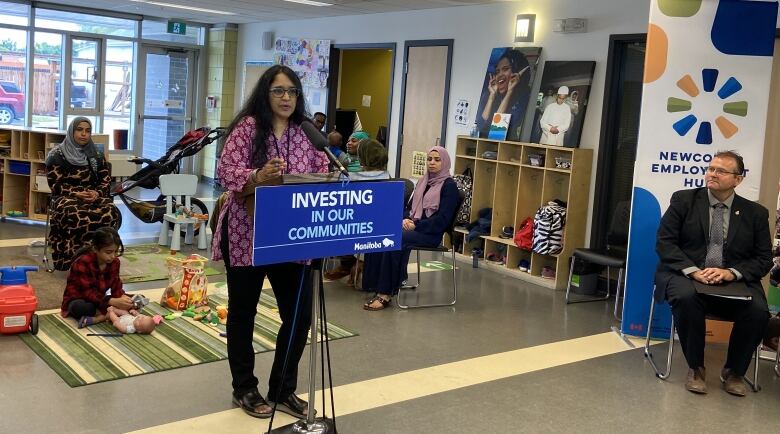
(524, 177)
(23, 169)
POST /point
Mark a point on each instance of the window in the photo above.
(13, 55)
(46, 80)
(118, 92)
(77, 22)
(158, 31)
(14, 14)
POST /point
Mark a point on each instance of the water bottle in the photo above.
(474, 132)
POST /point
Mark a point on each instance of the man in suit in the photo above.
(714, 236)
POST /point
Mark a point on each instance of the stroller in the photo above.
(151, 211)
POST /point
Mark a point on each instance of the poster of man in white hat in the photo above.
(561, 103)
(556, 119)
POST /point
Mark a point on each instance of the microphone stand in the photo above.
(335, 161)
(312, 424)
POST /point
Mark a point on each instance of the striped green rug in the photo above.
(145, 262)
(80, 359)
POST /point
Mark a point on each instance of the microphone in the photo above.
(320, 142)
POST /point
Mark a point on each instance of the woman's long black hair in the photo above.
(259, 107)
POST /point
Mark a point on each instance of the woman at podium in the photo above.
(434, 204)
(264, 141)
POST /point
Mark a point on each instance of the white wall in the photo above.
(476, 30)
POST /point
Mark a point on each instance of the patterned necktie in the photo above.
(715, 247)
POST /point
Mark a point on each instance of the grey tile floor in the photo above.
(615, 393)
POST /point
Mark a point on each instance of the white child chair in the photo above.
(177, 186)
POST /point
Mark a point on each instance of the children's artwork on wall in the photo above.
(500, 126)
(561, 103)
(506, 87)
(309, 58)
(418, 163)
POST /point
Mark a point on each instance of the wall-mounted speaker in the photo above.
(268, 40)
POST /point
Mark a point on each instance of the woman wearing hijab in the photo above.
(434, 204)
(350, 158)
(79, 179)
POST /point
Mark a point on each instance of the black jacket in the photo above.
(683, 236)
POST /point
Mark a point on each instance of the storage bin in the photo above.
(19, 167)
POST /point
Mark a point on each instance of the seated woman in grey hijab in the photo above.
(79, 178)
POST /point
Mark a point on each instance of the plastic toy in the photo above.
(17, 301)
(187, 283)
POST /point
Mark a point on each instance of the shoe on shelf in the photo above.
(548, 272)
(696, 382)
(524, 265)
(732, 383)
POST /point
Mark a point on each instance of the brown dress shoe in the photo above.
(733, 384)
(695, 382)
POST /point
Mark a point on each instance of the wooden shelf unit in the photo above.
(515, 189)
(24, 164)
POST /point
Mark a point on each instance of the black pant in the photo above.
(244, 286)
(78, 308)
(690, 308)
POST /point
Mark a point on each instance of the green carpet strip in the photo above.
(80, 359)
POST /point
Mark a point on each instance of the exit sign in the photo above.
(177, 28)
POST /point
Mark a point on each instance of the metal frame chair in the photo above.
(609, 257)
(441, 249)
(664, 375)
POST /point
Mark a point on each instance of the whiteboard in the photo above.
(253, 70)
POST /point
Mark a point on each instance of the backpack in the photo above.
(524, 236)
(549, 221)
(464, 182)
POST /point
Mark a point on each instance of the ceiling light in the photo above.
(309, 2)
(189, 8)
(524, 28)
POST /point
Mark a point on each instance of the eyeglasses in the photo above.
(279, 92)
(720, 172)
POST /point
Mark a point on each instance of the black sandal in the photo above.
(249, 403)
(384, 303)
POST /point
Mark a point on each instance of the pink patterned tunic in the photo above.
(234, 169)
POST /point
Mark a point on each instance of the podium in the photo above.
(312, 216)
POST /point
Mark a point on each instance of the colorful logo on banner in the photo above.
(310, 221)
(706, 89)
(709, 80)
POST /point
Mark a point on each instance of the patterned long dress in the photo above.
(72, 218)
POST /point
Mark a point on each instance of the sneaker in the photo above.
(548, 272)
(523, 265)
(507, 232)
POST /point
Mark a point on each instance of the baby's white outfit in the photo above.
(127, 320)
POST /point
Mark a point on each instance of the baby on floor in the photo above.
(132, 321)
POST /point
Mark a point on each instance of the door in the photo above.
(424, 101)
(82, 92)
(165, 102)
(619, 132)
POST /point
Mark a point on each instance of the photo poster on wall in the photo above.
(564, 91)
(506, 87)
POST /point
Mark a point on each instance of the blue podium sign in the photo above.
(308, 221)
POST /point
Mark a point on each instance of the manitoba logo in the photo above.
(709, 81)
